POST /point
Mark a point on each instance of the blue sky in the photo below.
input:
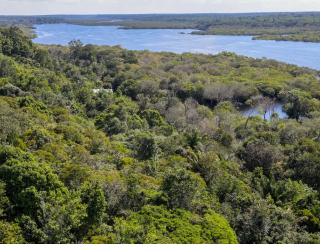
(28, 7)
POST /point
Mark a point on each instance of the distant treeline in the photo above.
(26, 23)
(29, 21)
(305, 37)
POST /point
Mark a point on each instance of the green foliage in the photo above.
(130, 57)
(144, 146)
(73, 176)
(216, 229)
(18, 176)
(10, 233)
(15, 43)
(305, 37)
(224, 107)
(100, 240)
(298, 103)
(167, 157)
(12, 123)
(184, 189)
(167, 130)
(39, 137)
(135, 122)
(7, 153)
(30, 102)
(130, 88)
(58, 111)
(69, 133)
(115, 126)
(304, 161)
(260, 153)
(158, 225)
(194, 138)
(93, 197)
(153, 117)
(125, 162)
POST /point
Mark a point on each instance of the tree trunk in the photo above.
(248, 119)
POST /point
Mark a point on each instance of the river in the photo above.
(300, 53)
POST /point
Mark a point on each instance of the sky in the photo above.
(41, 7)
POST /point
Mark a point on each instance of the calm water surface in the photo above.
(246, 110)
(300, 53)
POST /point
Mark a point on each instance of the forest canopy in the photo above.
(167, 157)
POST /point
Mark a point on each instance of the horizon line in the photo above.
(271, 12)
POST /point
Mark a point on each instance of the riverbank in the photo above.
(306, 37)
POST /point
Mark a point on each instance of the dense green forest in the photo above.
(268, 26)
(166, 158)
(305, 37)
(26, 23)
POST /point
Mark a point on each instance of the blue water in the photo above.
(247, 110)
(300, 53)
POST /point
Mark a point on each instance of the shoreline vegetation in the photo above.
(166, 157)
(304, 27)
(304, 37)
